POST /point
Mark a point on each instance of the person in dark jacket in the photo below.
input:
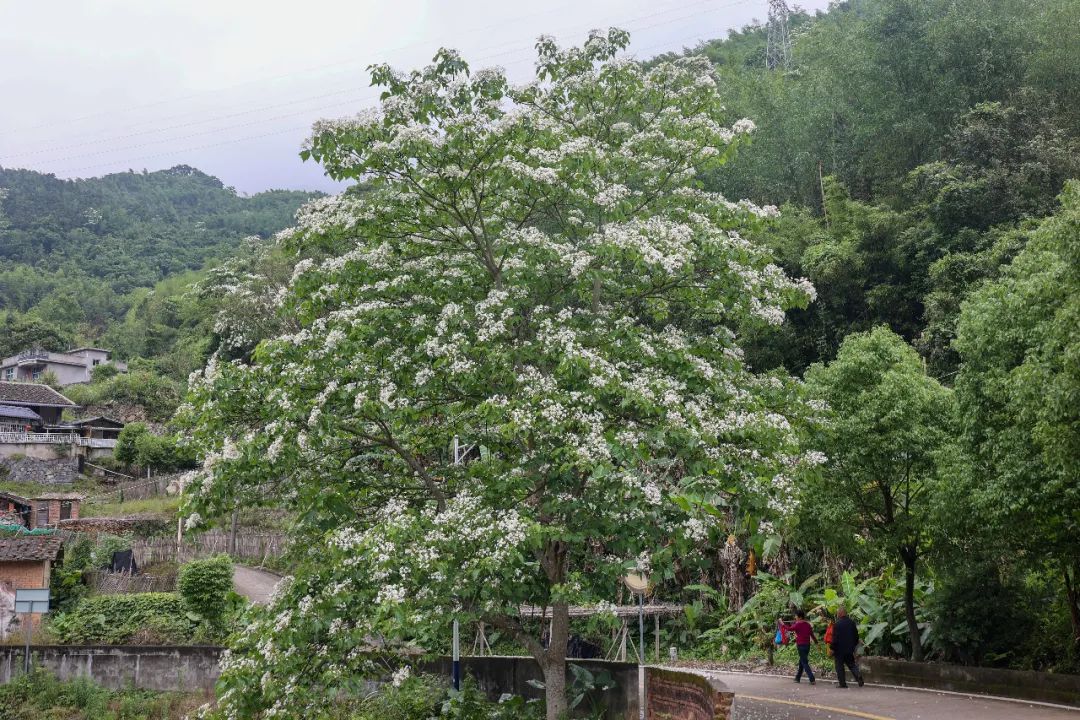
(845, 638)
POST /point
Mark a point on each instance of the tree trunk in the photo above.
(232, 531)
(554, 665)
(1072, 594)
(910, 555)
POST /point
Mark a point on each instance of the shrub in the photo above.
(126, 450)
(41, 695)
(146, 618)
(162, 452)
(978, 616)
(205, 585)
(159, 396)
(424, 696)
(101, 373)
(138, 446)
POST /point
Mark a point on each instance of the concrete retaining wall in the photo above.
(39, 451)
(179, 668)
(1024, 685)
(675, 695)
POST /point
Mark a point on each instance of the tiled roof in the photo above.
(92, 420)
(10, 518)
(24, 548)
(22, 413)
(43, 496)
(19, 393)
(13, 497)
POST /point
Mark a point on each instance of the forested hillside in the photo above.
(910, 143)
(88, 261)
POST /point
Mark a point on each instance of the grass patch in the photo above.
(42, 695)
(84, 485)
(160, 505)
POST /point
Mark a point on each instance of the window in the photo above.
(9, 373)
(97, 361)
(42, 515)
(37, 374)
(65, 510)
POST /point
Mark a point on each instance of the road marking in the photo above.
(844, 711)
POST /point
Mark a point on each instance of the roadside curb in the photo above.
(976, 696)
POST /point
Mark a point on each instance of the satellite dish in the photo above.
(636, 583)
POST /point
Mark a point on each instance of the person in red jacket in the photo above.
(804, 635)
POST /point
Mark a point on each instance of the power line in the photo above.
(304, 71)
(302, 128)
(370, 96)
(274, 78)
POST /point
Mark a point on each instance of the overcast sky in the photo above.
(89, 87)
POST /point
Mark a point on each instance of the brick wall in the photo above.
(675, 695)
(33, 574)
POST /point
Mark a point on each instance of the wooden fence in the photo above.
(115, 583)
(252, 547)
(139, 490)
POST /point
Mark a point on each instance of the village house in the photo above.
(71, 367)
(25, 562)
(31, 421)
(26, 405)
(42, 510)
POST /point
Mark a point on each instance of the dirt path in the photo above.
(255, 585)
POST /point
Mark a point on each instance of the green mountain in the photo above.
(78, 256)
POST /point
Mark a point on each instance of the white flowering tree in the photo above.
(535, 273)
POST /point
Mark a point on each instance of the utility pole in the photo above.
(778, 39)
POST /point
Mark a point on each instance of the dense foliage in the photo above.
(42, 695)
(205, 585)
(136, 619)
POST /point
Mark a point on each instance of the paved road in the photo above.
(255, 585)
(762, 697)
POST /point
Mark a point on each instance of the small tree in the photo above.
(204, 586)
(518, 352)
(126, 450)
(889, 429)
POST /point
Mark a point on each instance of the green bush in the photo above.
(158, 395)
(140, 618)
(42, 695)
(979, 617)
(205, 585)
(424, 696)
(136, 445)
(126, 450)
(163, 453)
(101, 373)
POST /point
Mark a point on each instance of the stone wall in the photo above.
(675, 695)
(1020, 684)
(503, 674)
(163, 668)
(44, 471)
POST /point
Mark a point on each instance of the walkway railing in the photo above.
(23, 437)
(53, 438)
